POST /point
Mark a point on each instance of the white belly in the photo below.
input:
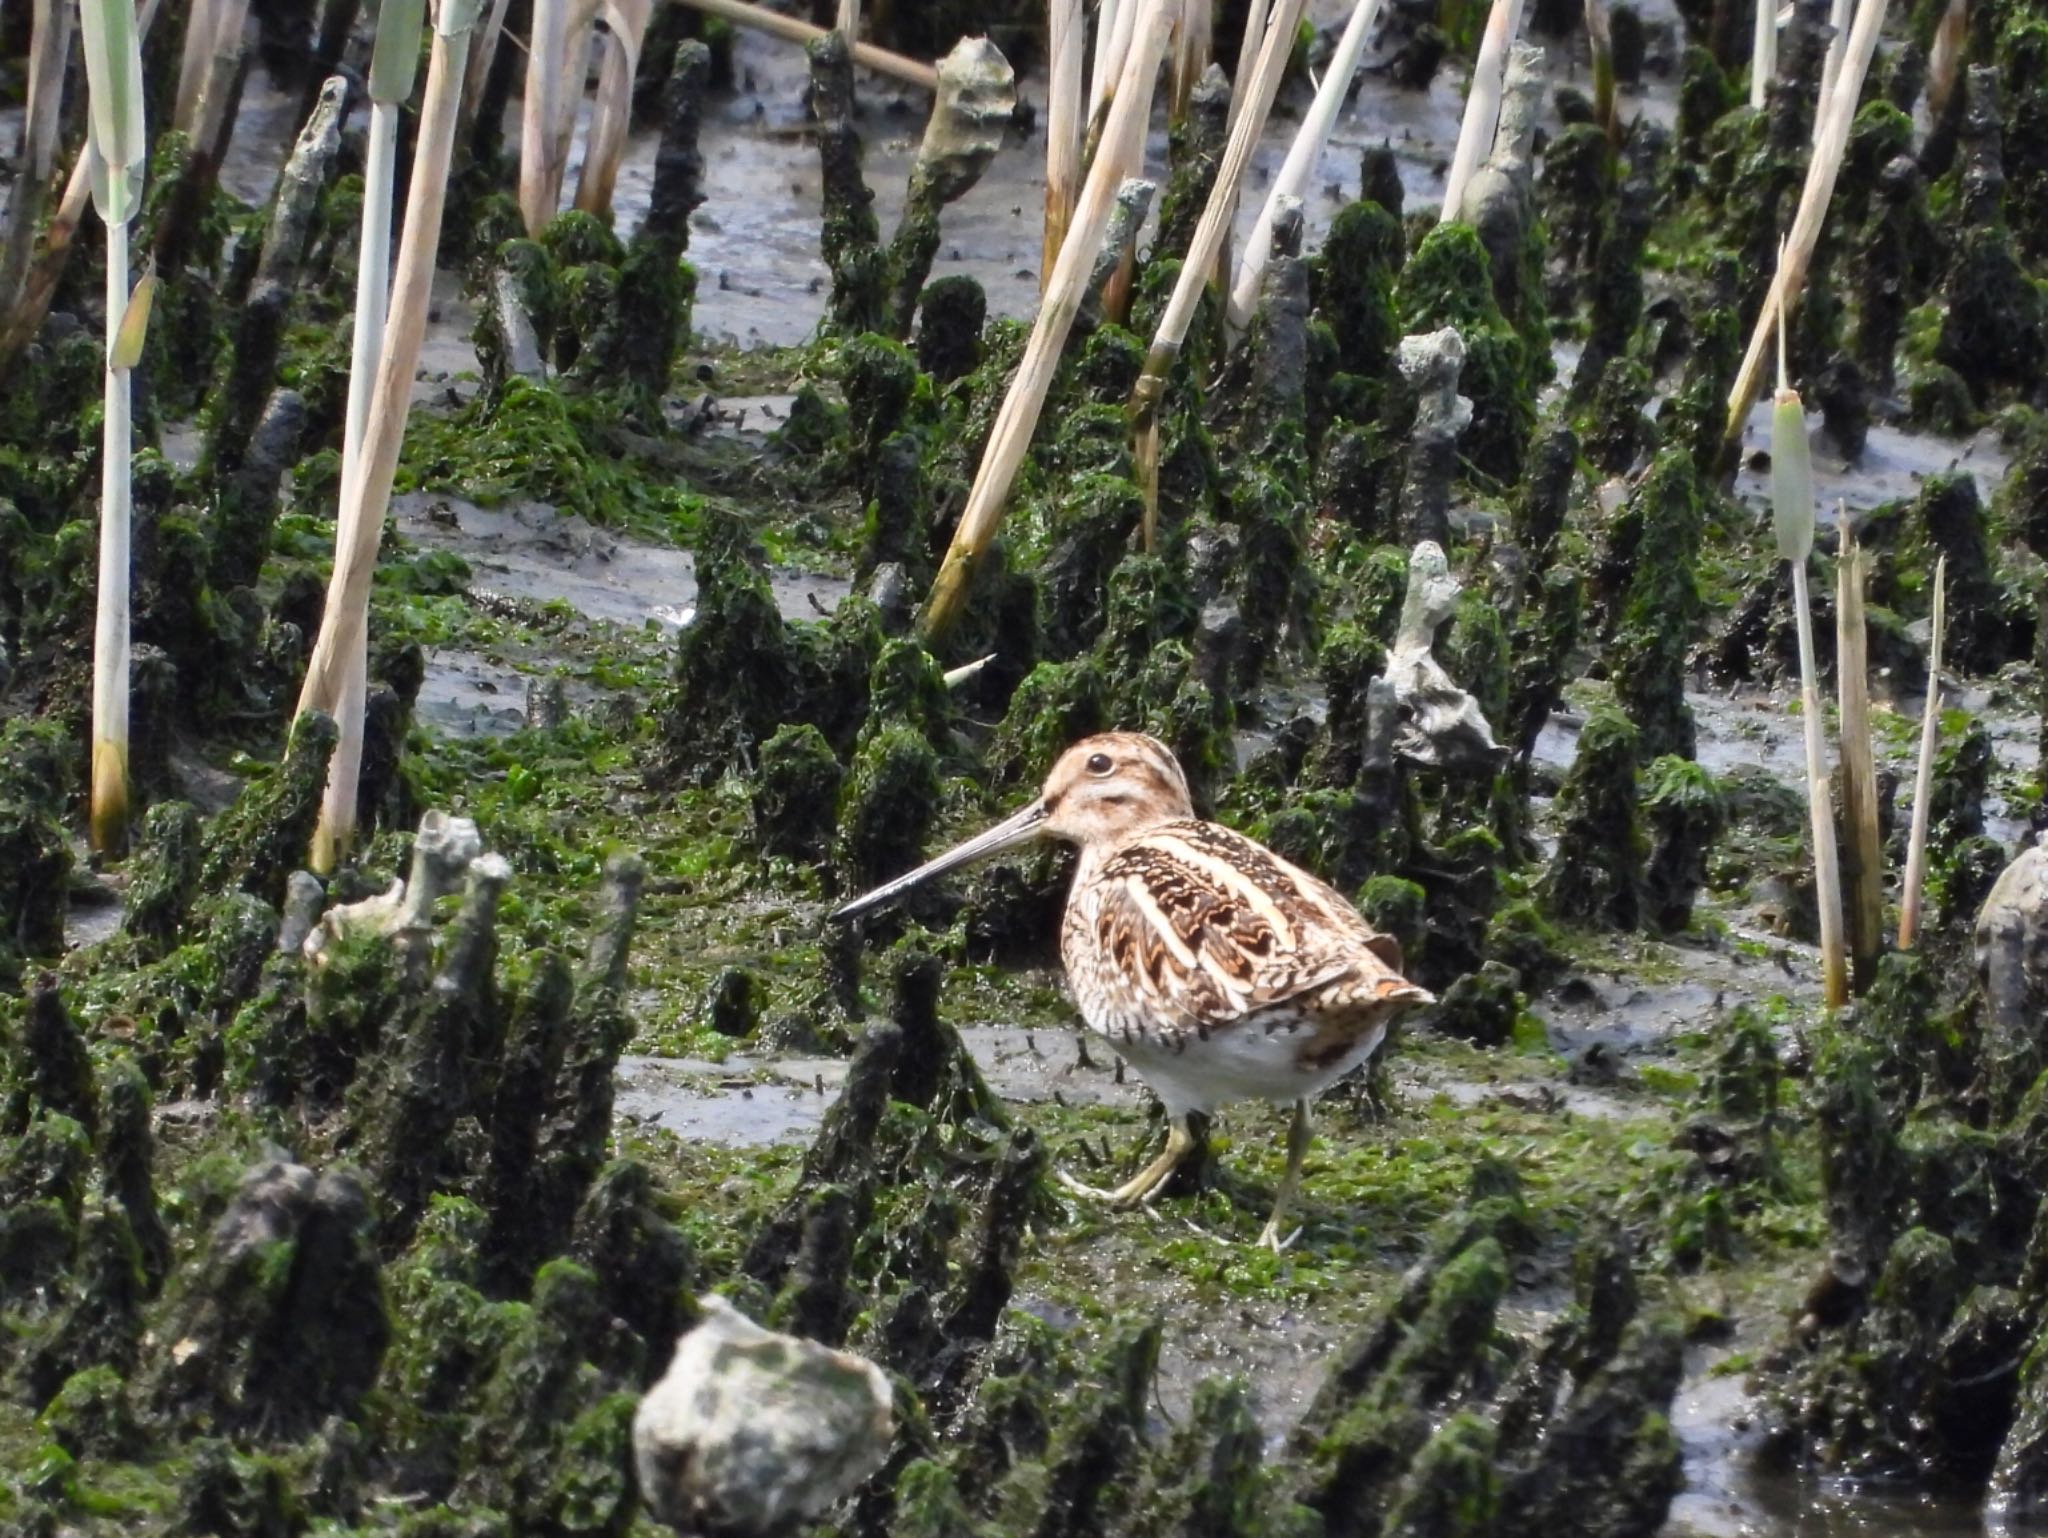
(1244, 1061)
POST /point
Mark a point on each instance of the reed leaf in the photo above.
(1791, 478)
(134, 329)
(113, 74)
(395, 58)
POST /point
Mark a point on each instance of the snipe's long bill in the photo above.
(1219, 971)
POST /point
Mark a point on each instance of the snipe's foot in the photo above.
(1143, 1186)
(1269, 1237)
(1298, 1133)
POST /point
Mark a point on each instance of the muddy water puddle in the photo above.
(1727, 1495)
(529, 553)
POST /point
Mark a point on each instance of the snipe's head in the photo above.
(1103, 790)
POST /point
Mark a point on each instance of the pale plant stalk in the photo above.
(626, 23)
(1840, 13)
(344, 623)
(1945, 58)
(1923, 776)
(1837, 109)
(1067, 46)
(49, 48)
(110, 643)
(21, 323)
(1100, 76)
(582, 26)
(392, 69)
(1116, 49)
(1482, 105)
(849, 20)
(1248, 48)
(539, 112)
(1792, 513)
(1258, 92)
(195, 57)
(760, 19)
(1309, 140)
(483, 51)
(116, 148)
(209, 126)
(1865, 864)
(1194, 40)
(1121, 152)
(1763, 53)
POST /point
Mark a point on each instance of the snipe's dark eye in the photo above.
(1099, 763)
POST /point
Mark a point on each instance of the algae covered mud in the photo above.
(378, 1199)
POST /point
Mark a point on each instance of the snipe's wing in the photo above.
(1196, 924)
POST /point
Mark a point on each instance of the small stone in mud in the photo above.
(750, 1432)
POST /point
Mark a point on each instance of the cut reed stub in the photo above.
(1862, 856)
(1923, 777)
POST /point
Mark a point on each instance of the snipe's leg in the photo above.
(1297, 1150)
(1180, 1142)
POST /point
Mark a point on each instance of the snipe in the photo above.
(1217, 969)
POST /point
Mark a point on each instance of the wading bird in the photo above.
(1217, 969)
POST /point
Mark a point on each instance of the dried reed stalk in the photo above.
(1120, 17)
(344, 623)
(790, 30)
(1482, 104)
(394, 65)
(1067, 46)
(195, 54)
(540, 112)
(1839, 13)
(1194, 43)
(36, 170)
(1258, 92)
(849, 20)
(611, 115)
(1121, 152)
(1945, 58)
(215, 127)
(1862, 861)
(483, 51)
(1923, 777)
(1248, 47)
(1837, 110)
(1307, 147)
(1102, 67)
